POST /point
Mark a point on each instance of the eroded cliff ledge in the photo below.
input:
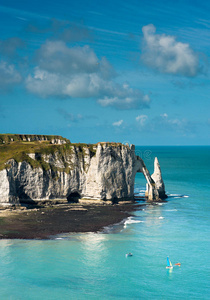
(52, 168)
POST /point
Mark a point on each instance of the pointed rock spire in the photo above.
(157, 177)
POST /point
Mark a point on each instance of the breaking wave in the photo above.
(130, 220)
(177, 196)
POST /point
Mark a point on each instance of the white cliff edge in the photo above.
(107, 174)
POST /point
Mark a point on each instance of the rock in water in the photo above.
(158, 180)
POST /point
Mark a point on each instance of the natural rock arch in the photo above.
(155, 188)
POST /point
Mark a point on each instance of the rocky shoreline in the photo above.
(45, 222)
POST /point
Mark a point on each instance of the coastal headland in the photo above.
(68, 185)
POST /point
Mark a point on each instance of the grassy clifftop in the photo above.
(8, 138)
(18, 147)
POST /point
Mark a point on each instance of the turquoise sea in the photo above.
(94, 265)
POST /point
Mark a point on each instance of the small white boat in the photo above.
(129, 254)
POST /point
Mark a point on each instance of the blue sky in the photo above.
(125, 71)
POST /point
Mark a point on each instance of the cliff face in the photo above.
(103, 171)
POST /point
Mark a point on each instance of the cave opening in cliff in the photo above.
(74, 197)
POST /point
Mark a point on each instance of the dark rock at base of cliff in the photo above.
(45, 222)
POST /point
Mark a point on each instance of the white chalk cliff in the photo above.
(157, 178)
(106, 172)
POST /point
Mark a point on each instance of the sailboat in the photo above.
(169, 264)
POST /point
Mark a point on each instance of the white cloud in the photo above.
(77, 72)
(9, 76)
(69, 116)
(45, 83)
(83, 85)
(141, 119)
(118, 123)
(55, 56)
(179, 125)
(164, 115)
(124, 97)
(165, 123)
(165, 54)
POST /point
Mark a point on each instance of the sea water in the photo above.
(95, 266)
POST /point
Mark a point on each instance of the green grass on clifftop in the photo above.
(17, 147)
(7, 138)
(19, 151)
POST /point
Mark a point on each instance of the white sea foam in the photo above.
(130, 220)
(133, 221)
(177, 196)
(117, 227)
(139, 191)
(108, 229)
